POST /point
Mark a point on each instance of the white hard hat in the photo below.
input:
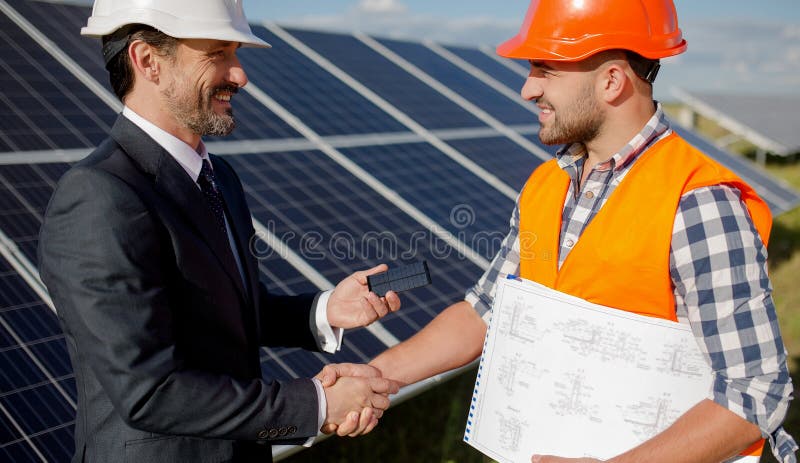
(182, 19)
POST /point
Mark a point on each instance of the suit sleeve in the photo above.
(101, 257)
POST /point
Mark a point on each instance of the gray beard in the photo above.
(197, 115)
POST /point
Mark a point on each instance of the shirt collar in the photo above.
(570, 155)
(187, 157)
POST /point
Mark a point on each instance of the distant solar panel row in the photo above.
(325, 214)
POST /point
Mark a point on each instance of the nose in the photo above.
(236, 73)
(531, 90)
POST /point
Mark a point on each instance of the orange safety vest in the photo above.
(622, 258)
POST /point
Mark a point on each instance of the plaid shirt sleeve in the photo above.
(505, 262)
(718, 265)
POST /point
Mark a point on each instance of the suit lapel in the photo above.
(172, 182)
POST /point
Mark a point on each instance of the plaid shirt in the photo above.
(718, 266)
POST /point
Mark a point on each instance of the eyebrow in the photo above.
(221, 47)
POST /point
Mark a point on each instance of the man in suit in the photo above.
(144, 249)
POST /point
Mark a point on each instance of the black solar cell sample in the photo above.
(319, 99)
(338, 224)
(462, 83)
(423, 104)
(37, 398)
(779, 197)
(445, 191)
(401, 278)
(42, 106)
(490, 66)
(500, 156)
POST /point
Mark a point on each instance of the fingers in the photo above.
(357, 424)
(364, 420)
(371, 425)
(328, 428)
(361, 276)
(349, 425)
(331, 372)
(374, 307)
(384, 385)
(327, 376)
(392, 301)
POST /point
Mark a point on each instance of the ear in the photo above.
(144, 61)
(612, 81)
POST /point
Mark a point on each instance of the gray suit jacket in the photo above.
(163, 335)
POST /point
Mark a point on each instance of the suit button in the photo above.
(263, 434)
(273, 433)
(292, 429)
(282, 431)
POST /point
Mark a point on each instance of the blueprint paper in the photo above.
(562, 376)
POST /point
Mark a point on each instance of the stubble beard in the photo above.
(195, 110)
(579, 122)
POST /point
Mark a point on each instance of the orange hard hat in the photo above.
(572, 30)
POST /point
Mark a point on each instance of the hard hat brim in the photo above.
(520, 47)
(97, 27)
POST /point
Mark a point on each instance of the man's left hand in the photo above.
(352, 304)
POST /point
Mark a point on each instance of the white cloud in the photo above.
(738, 56)
(791, 31)
(381, 6)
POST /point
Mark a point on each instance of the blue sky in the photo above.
(735, 46)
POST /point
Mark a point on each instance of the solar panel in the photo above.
(501, 156)
(491, 66)
(319, 99)
(330, 218)
(460, 82)
(41, 106)
(253, 120)
(24, 192)
(37, 389)
(408, 94)
(457, 200)
(779, 197)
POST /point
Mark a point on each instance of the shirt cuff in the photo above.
(321, 410)
(329, 339)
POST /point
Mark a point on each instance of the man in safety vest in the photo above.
(630, 216)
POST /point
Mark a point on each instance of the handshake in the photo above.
(356, 397)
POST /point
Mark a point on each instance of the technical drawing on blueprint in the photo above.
(559, 375)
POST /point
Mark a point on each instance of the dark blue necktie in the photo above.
(208, 184)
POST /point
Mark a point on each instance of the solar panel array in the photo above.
(352, 150)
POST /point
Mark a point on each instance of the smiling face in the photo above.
(201, 79)
(565, 95)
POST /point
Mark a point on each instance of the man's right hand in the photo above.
(355, 404)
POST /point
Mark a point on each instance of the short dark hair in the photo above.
(120, 70)
(642, 66)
